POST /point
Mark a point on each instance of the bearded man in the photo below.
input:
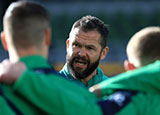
(86, 46)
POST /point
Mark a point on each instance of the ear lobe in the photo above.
(104, 53)
(4, 42)
(67, 43)
(128, 66)
(48, 37)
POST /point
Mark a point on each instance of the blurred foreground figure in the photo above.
(135, 92)
(40, 90)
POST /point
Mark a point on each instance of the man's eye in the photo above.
(75, 45)
(90, 48)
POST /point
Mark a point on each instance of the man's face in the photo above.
(83, 52)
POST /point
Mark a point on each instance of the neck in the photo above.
(85, 80)
(15, 55)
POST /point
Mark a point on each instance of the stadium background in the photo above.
(124, 18)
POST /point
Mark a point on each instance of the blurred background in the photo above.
(123, 17)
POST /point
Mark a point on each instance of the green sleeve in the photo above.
(142, 104)
(55, 95)
(4, 108)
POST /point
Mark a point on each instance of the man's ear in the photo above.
(48, 37)
(104, 53)
(4, 42)
(67, 44)
(128, 66)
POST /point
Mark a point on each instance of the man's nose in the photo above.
(82, 52)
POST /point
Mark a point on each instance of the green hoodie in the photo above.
(145, 81)
(93, 81)
(38, 93)
(4, 108)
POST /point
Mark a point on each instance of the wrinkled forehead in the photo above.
(89, 36)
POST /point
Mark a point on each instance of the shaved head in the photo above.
(144, 47)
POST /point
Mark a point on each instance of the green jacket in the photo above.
(4, 108)
(135, 92)
(38, 93)
(96, 79)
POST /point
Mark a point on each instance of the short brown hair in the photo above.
(25, 23)
(89, 23)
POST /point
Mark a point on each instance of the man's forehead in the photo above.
(89, 35)
(75, 31)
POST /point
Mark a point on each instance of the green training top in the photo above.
(37, 93)
(94, 80)
(4, 108)
(145, 81)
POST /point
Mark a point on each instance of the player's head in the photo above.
(26, 25)
(89, 23)
(143, 48)
(86, 46)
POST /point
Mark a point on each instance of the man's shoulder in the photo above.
(105, 77)
(65, 72)
(100, 73)
(64, 69)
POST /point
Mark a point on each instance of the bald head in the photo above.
(144, 47)
(25, 24)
